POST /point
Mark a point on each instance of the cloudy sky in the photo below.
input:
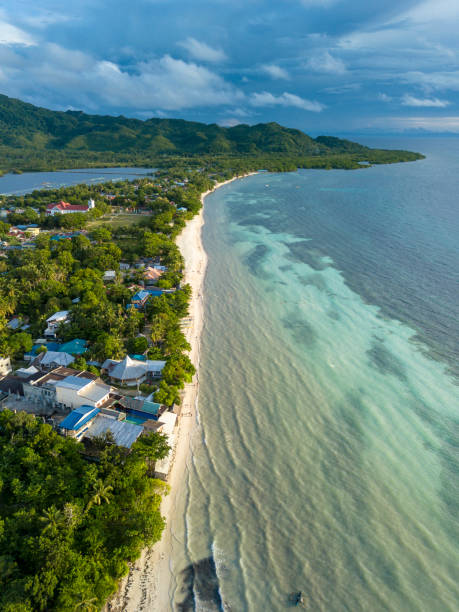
(319, 65)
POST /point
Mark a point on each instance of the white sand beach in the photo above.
(146, 588)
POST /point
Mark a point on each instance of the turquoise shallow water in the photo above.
(325, 459)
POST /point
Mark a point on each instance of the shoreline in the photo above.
(147, 585)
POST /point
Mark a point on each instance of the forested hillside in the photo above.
(37, 138)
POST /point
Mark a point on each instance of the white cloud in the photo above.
(432, 10)
(274, 71)
(11, 35)
(434, 80)
(166, 83)
(201, 51)
(433, 124)
(286, 99)
(384, 97)
(325, 62)
(432, 102)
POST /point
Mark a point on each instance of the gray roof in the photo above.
(58, 316)
(128, 369)
(124, 434)
(63, 359)
(74, 382)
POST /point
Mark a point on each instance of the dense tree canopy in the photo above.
(68, 527)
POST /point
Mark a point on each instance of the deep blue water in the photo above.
(393, 232)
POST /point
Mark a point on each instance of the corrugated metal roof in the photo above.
(79, 417)
(74, 382)
(124, 434)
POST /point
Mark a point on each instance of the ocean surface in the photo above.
(19, 184)
(325, 459)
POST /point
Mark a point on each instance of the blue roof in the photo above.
(79, 417)
(74, 347)
(51, 346)
(154, 292)
(141, 295)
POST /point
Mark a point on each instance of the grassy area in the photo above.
(117, 220)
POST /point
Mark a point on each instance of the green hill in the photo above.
(53, 137)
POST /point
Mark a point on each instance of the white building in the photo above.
(75, 391)
(54, 321)
(5, 366)
(167, 422)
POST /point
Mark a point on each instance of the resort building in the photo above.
(63, 208)
(132, 371)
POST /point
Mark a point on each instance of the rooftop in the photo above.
(79, 417)
(124, 433)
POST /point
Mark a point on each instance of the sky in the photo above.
(323, 66)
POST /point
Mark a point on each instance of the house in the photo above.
(78, 421)
(132, 372)
(54, 321)
(76, 391)
(140, 299)
(63, 208)
(41, 389)
(5, 366)
(124, 266)
(167, 423)
(123, 432)
(53, 359)
(109, 276)
(141, 410)
(152, 275)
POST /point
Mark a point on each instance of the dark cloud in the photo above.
(320, 65)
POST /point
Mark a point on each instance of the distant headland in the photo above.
(38, 139)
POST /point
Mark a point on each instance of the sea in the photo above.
(325, 458)
(20, 184)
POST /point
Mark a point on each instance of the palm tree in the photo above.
(53, 518)
(101, 493)
(87, 604)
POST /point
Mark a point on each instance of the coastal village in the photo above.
(59, 361)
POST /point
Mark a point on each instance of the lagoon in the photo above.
(20, 184)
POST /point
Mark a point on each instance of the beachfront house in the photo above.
(54, 321)
(132, 372)
(166, 425)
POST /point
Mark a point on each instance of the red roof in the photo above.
(66, 206)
